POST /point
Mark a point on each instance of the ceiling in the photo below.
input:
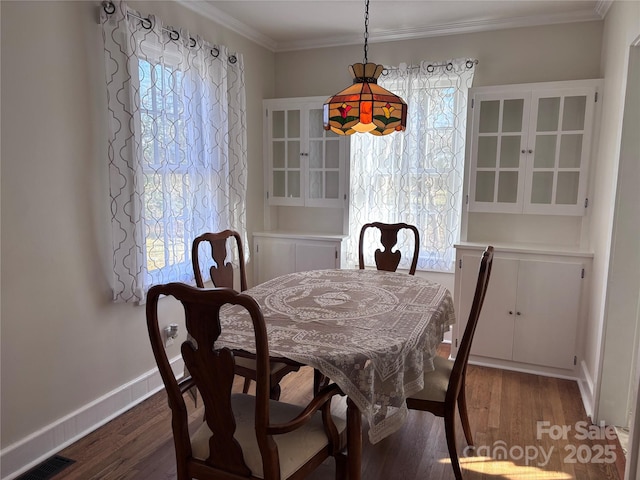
(300, 24)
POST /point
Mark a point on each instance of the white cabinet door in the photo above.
(285, 151)
(530, 147)
(274, 257)
(500, 130)
(531, 311)
(326, 162)
(547, 309)
(559, 148)
(305, 164)
(312, 255)
(494, 333)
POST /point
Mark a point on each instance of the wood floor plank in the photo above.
(504, 409)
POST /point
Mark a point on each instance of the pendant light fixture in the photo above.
(365, 106)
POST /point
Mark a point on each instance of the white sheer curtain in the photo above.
(177, 147)
(415, 176)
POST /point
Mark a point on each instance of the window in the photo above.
(167, 170)
(177, 151)
(416, 176)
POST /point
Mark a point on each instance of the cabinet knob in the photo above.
(524, 151)
(518, 313)
(510, 312)
(530, 151)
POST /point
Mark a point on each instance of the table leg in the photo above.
(354, 441)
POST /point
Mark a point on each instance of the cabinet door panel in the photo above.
(494, 333)
(315, 256)
(548, 304)
(557, 180)
(284, 150)
(274, 258)
(306, 165)
(500, 125)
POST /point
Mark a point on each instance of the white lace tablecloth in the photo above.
(371, 332)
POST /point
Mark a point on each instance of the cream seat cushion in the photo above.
(294, 448)
(436, 381)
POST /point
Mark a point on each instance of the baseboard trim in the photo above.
(40, 445)
(587, 392)
(534, 370)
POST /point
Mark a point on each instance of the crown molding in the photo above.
(209, 11)
(218, 16)
(602, 7)
(443, 30)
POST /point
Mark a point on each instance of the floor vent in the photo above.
(47, 469)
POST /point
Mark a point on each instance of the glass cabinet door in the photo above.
(559, 142)
(500, 137)
(324, 161)
(286, 153)
(306, 165)
(530, 148)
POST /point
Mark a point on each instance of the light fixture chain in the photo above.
(366, 30)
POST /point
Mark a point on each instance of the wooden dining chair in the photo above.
(222, 275)
(241, 436)
(387, 259)
(444, 387)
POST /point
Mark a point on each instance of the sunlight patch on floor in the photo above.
(509, 470)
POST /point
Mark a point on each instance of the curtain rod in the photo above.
(432, 66)
(109, 8)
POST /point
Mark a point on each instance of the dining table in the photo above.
(374, 333)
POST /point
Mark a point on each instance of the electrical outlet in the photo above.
(170, 333)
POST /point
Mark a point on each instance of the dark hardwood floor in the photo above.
(504, 408)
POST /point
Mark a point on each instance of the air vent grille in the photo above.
(47, 469)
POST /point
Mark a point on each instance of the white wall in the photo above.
(629, 195)
(610, 363)
(63, 343)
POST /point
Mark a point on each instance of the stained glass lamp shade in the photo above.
(365, 106)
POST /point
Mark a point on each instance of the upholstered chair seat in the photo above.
(294, 449)
(436, 381)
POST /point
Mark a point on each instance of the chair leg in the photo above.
(319, 381)
(247, 383)
(464, 418)
(274, 393)
(450, 432)
(341, 466)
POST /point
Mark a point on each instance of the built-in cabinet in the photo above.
(532, 310)
(530, 147)
(279, 253)
(305, 164)
(306, 191)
